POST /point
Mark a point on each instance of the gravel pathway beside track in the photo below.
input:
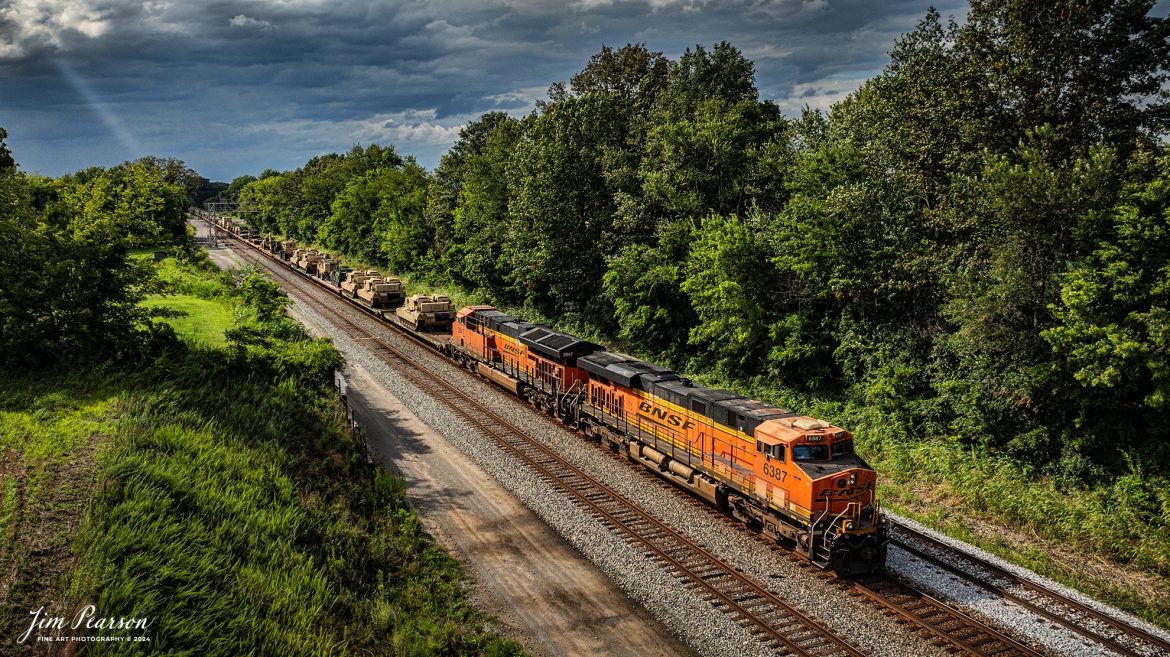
(1009, 614)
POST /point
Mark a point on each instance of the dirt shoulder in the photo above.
(47, 502)
(547, 595)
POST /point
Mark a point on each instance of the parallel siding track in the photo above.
(1121, 637)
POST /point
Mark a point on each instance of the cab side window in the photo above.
(779, 452)
(773, 451)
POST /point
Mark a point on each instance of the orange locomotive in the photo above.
(530, 360)
(793, 476)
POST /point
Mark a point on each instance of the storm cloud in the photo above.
(233, 87)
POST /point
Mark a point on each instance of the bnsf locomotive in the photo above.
(791, 476)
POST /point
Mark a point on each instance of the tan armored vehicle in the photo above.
(308, 258)
(354, 280)
(379, 292)
(325, 267)
(426, 311)
(287, 248)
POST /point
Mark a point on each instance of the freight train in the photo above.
(793, 477)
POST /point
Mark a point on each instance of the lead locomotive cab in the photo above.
(809, 472)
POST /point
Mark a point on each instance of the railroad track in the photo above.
(732, 592)
(929, 616)
(768, 617)
(1119, 636)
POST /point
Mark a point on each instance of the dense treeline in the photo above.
(68, 291)
(974, 243)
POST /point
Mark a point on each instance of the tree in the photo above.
(1093, 71)
(1112, 328)
(68, 291)
(644, 284)
(175, 171)
(265, 296)
(467, 203)
(399, 222)
(233, 188)
(561, 210)
(727, 279)
(632, 76)
(7, 164)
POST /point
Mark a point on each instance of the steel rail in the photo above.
(1077, 626)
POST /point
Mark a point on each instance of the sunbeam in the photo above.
(94, 101)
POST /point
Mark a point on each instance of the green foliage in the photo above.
(7, 163)
(644, 285)
(1112, 330)
(467, 203)
(560, 208)
(728, 289)
(265, 297)
(68, 290)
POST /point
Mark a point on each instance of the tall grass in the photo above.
(236, 512)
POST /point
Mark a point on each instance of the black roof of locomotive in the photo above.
(555, 344)
(503, 323)
(537, 337)
(721, 406)
(625, 370)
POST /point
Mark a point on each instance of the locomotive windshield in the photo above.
(810, 452)
(842, 448)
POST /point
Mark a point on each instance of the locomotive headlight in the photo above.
(852, 478)
(849, 525)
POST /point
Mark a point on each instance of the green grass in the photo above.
(51, 428)
(201, 320)
(231, 505)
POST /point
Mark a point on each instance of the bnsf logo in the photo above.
(651, 412)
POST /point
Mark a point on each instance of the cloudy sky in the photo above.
(237, 86)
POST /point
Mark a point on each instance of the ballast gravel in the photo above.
(677, 606)
(995, 609)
